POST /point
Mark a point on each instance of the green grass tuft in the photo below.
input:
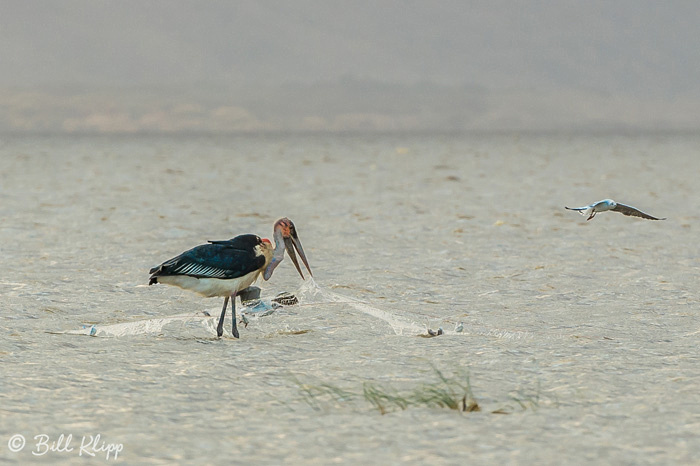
(452, 393)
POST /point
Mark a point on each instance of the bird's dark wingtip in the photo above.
(153, 281)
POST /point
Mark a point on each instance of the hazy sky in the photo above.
(508, 59)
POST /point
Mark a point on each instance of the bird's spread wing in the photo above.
(216, 260)
(629, 210)
(578, 208)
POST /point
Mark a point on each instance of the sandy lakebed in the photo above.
(579, 341)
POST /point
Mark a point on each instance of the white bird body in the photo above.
(608, 204)
(210, 287)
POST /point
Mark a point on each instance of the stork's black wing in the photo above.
(220, 259)
(629, 210)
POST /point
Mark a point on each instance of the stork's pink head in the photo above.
(286, 238)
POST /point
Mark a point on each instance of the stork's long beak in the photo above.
(291, 243)
(286, 238)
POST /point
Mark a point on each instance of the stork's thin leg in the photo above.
(234, 328)
(220, 327)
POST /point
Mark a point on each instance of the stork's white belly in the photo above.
(211, 286)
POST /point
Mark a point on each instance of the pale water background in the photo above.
(585, 333)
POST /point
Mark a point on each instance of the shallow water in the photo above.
(585, 333)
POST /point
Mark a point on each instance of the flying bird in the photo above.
(227, 268)
(609, 204)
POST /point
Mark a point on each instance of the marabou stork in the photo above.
(226, 268)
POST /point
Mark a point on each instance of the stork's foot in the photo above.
(234, 330)
(219, 330)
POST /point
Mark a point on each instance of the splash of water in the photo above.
(148, 326)
(311, 291)
(309, 294)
